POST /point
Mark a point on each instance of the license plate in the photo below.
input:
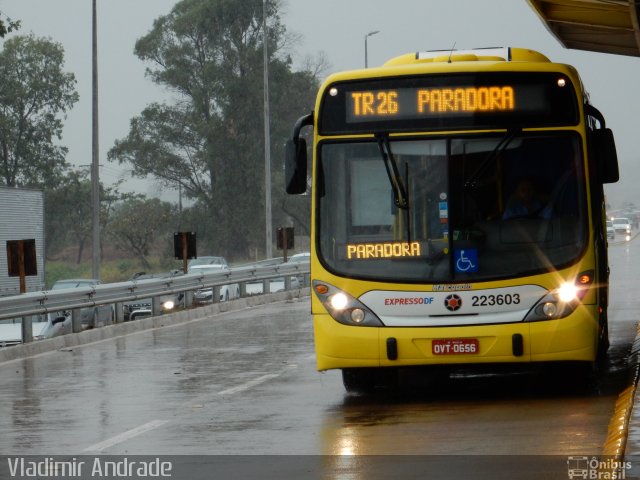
(455, 346)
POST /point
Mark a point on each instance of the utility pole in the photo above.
(267, 141)
(95, 159)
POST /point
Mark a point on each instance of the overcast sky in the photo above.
(335, 27)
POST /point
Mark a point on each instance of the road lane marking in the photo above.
(255, 382)
(134, 432)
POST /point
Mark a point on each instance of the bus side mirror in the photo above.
(295, 158)
(295, 166)
(603, 147)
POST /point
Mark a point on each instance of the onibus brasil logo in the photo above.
(597, 468)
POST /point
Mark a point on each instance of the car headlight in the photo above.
(168, 305)
(343, 307)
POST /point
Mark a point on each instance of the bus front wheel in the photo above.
(365, 380)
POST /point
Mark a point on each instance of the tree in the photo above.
(139, 224)
(210, 141)
(34, 94)
(68, 212)
(8, 25)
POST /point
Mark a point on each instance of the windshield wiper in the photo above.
(400, 194)
(499, 148)
(399, 190)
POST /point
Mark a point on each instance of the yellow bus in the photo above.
(457, 214)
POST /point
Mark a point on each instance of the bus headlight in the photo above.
(339, 301)
(343, 307)
(567, 292)
(562, 301)
(358, 315)
(550, 309)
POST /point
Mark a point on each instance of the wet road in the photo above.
(245, 383)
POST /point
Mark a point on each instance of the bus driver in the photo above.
(526, 202)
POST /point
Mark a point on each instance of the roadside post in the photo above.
(285, 240)
(184, 247)
(21, 261)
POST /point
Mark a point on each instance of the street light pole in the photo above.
(267, 141)
(95, 160)
(366, 59)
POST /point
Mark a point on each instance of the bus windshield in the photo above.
(478, 207)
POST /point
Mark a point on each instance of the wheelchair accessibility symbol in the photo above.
(466, 260)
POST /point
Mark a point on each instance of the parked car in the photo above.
(90, 317)
(142, 308)
(205, 295)
(622, 225)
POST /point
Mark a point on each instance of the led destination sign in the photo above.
(378, 250)
(415, 102)
(461, 100)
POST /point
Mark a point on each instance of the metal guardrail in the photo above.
(41, 303)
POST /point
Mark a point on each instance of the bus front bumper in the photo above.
(573, 338)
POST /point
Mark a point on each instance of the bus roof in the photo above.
(458, 61)
(505, 54)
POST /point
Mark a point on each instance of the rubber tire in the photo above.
(366, 380)
(359, 380)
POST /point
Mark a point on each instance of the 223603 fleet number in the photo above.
(491, 300)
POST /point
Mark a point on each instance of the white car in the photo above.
(611, 232)
(299, 257)
(205, 295)
(207, 260)
(11, 330)
(622, 225)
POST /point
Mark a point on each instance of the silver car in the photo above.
(142, 308)
(205, 295)
(90, 317)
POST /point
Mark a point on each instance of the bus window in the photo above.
(458, 192)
